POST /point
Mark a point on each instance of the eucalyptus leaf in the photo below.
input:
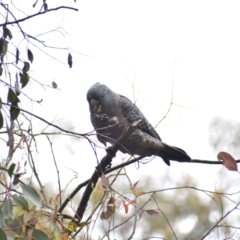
(1, 218)
(31, 194)
(17, 56)
(70, 62)
(11, 169)
(39, 235)
(14, 111)
(2, 235)
(30, 55)
(15, 224)
(7, 33)
(24, 79)
(20, 201)
(26, 67)
(12, 96)
(1, 120)
(3, 47)
(54, 84)
(7, 208)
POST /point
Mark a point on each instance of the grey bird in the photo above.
(112, 114)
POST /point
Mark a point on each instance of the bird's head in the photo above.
(102, 100)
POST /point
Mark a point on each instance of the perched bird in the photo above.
(112, 115)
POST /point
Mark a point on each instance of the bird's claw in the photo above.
(109, 152)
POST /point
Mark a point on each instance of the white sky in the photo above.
(195, 44)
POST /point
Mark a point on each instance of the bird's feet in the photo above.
(110, 152)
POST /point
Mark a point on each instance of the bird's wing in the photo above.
(132, 113)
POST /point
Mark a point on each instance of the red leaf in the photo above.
(153, 212)
(228, 161)
(125, 205)
(110, 205)
(132, 202)
(134, 185)
(138, 193)
(104, 215)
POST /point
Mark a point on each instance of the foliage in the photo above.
(25, 211)
(112, 204)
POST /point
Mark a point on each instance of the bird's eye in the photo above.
(102, 96)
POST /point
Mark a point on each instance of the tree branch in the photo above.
(85, 135)
(49, 123)
(223, 217)
(37, 14)
(83, 184)
(105, 162)
(208, 161)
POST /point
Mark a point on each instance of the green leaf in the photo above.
(1, 120)
(10, 238)
(14, 112)
(83, 224)
(7, 32)
(26, 67)
(55, 230)
(54, 84)
(24, 79)
(7, 208)
(1, 70)
(3, 47)
(11, 169)
(17, 56)
(16, 224)
(1, 218)
(70, 62)
(31, 194)
(30, 55)
(12, 96)
(2, 235)
(20, 201)
(39, 235)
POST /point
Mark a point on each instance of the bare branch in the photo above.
(223, 217)
(49, 123)
(58, 174)
(37, 14)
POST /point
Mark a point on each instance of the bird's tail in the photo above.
(173, 153)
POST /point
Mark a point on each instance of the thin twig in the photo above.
(86, 135)
(37, 14)
(58, 174)
(223, 217)
(139, 210)
(49, 123)
(165, 218)
(171, 103)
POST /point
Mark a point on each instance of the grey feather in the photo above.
(112, 114)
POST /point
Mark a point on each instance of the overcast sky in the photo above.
(150, 52)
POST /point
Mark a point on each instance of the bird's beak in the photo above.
(96, 107)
